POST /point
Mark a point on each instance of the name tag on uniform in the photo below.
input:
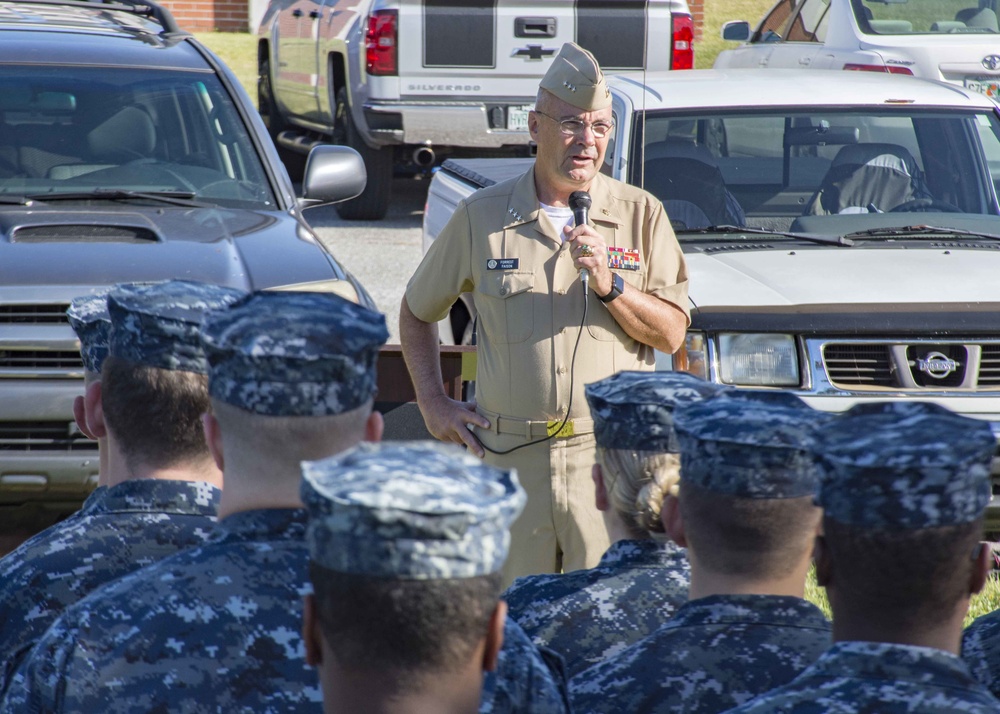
(623, 258)
(502, 263)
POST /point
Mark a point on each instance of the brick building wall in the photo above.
(205, 15)
(697, 8)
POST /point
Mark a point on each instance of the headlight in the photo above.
(758, 360)
(691, 358)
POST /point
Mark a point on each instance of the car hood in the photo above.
(796, 275)
(238, 248)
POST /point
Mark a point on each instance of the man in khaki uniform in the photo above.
(513, 245)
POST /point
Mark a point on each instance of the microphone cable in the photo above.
(572, 378)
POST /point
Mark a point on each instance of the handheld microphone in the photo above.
(579, 203)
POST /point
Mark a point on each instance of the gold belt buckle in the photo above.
(552, 429)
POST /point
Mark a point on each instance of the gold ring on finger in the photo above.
(586, 251)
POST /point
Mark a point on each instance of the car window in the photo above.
(777, 166)
(774, 21)
(81, 128)
(907, 17)
(809, 25)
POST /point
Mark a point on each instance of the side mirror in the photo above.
(333, 174)
(736, 31)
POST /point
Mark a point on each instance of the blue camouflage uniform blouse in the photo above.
(589, 615)
(528, 679)
(118, 530)
(878, 677)
(216, 628)
(716, 652)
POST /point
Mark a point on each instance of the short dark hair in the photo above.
(155, 414)
(911, 578)
(408, 627)
(754, 537)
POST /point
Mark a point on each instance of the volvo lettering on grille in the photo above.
(937, 365)
(991, 61)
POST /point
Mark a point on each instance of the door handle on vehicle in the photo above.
(316, 14)
(805, 60)
(535, 27)
(297, 12)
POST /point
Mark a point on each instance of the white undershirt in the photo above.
(561, 216)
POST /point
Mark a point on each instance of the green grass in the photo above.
(986, 601)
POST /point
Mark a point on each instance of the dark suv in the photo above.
(128, 152)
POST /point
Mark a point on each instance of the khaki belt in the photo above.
(529, 429)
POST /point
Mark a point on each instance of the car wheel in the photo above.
(373, 203)
(295, 163)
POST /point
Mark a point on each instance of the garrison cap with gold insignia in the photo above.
(635, 410)
(414, 510)
(88, 316)
(294, 353)
(908, 466)
(575, 77)
(159, 324)
(750, 444)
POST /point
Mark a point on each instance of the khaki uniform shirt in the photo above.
(501, 246)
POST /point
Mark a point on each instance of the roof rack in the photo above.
(145, 8)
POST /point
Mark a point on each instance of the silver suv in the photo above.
(127, 152)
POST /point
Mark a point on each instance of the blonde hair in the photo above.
(636, 483)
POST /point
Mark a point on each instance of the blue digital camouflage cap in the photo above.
(159, 324)
(415, 510)
(88, 316)
(909, 465)
(294, 353)
(635, 410)
(749, 444)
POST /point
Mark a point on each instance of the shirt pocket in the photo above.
(603, 326)
(506, 306)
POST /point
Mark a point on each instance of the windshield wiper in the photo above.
(175, 198)
(725, 228)
(921, 230)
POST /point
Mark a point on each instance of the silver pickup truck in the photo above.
(409, 83)
(841, 230)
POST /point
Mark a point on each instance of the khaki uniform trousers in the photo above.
(560, 528)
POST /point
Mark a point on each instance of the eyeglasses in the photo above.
(576, 127)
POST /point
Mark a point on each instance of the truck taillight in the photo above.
(682, 43)
(380, 43)
(889, 68)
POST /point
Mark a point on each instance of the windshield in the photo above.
(805, 171)
(71, 130)
(915, 17)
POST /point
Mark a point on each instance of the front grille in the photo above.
(858, 365)
(33, 314)
(989, 366)
(43, 436)
(40, 359)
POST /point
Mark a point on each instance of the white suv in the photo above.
(957, 41)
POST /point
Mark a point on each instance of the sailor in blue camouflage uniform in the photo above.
(589, 615)
(406, 542)
(897, 479)
(218, 628)
(745, 510)
(160, 487)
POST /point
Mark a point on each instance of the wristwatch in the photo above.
(617, 288)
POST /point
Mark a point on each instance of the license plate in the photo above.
(517, 118)
(988, 86)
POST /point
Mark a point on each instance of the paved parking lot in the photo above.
(382, 254)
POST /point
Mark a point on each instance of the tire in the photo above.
(373, 203)
(295, 163)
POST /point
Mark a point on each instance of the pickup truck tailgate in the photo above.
(501, 48)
